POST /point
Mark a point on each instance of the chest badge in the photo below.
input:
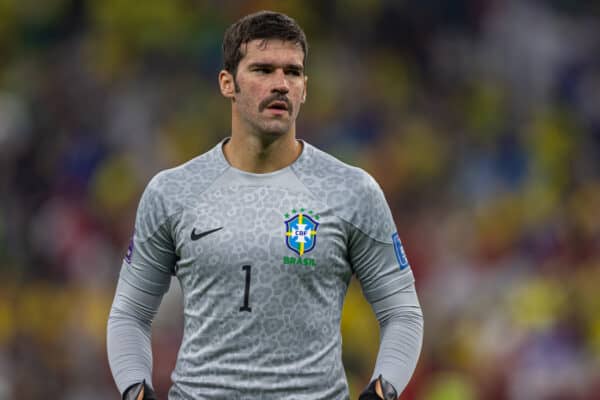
(301, 231)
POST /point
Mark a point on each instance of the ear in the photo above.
(226, 84)
(305, 86)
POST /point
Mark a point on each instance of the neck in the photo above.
(257, 154)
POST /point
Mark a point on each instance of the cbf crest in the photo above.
(301, 231)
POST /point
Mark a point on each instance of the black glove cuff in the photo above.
(133, 391)
(389, 392)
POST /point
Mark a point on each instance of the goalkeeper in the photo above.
(264, 233)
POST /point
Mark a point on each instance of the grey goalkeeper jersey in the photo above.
(264, 262)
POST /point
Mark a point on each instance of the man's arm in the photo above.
(388, 285)
(137, 298)
(380, 265)
(145, 276)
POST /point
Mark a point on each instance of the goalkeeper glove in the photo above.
(371, 392)
(134, 392)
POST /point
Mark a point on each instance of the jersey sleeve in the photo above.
(144, 278)
(381, 266)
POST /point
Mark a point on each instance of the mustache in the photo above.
(275, 97)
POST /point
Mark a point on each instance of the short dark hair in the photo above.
(260, 25)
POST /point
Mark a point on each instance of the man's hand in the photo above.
(139, 391)
(379, 389)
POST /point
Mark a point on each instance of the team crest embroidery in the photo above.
(301, 231)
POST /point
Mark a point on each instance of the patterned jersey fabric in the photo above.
(264, 262)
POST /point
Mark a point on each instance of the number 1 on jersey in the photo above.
(245, 307)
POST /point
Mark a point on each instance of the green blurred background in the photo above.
(479, 118)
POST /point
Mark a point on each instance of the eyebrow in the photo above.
(293, 67)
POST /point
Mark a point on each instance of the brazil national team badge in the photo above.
(301, 231)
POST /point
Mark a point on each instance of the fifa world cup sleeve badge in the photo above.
(399, 250)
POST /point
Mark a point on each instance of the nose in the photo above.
(280, 85)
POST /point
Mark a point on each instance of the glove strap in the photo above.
(388, 390)
(134, 390)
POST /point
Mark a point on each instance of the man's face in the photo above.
(271, 86)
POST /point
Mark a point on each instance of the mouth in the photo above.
(278, 106)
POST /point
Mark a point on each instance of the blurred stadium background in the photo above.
(480, 119)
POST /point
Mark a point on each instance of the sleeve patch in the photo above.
(399, 250)
(129, 251)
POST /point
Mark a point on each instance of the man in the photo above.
(264, 233)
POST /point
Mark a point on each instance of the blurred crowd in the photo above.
(479, 118)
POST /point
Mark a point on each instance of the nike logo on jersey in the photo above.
(196, 236)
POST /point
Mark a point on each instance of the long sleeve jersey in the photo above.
(264, 262)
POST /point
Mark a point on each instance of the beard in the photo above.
(271, 127)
